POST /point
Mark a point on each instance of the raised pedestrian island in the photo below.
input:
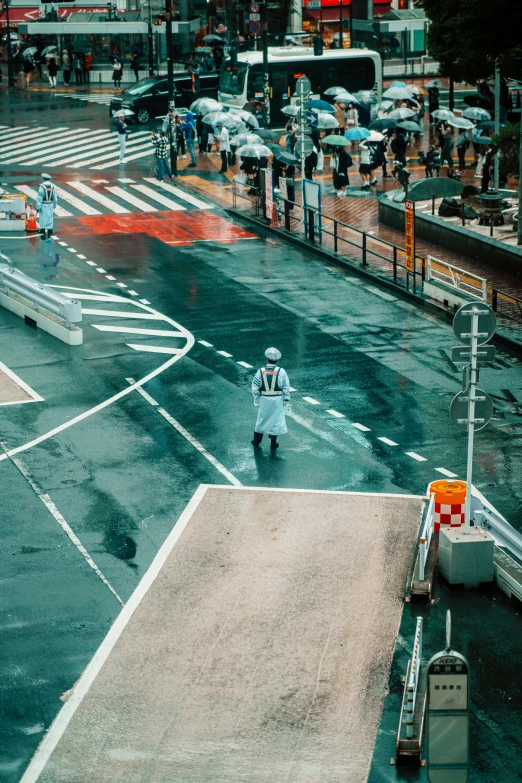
(257, 647)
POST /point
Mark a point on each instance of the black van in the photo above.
(148, 98)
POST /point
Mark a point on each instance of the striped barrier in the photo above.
(450, 500)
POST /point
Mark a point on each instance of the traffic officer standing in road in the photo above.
(45, 203)
(271, 390)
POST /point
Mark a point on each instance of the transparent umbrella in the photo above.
(384, 106)
(334, 90)
(30, 51)
(476, 113)
(49, 50)
(246, 116)
(245, 138)
(442, 84)
(290, 111)
(228, 120)
(411, 127)
(204, 105)
(443, 114)
(461, 122)
(325, 121)
(255, 151)
(401, 114)
(397, 93)
(346, 97)
(125, 112)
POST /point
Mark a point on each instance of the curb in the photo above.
(501, 339)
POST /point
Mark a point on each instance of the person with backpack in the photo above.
(189, 130)
(46, 203)
(462, 145)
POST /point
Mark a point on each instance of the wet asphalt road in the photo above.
(121, 477)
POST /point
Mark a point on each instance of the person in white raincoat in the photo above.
(45, 204)
(271, 390)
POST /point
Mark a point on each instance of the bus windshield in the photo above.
(232, 81)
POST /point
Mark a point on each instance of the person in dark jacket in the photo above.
(339, 164)
(433, 101)
(135, 65)
(28, 70)
(52, 70)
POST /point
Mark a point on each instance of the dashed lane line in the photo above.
(360, 427)
(311, 400)
(447, 473)
(388, 441)
(225, 354)
(245, 364)
(335, 413)
(416, 456)
(204, 342)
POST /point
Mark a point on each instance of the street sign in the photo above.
(269, 192)
(409, 230)
(305, 146)
(303, 87)
(313, 4)
(312, 118)
(487, 322)
(253, 8)
(461, 354)
(255, 28)
(448, 715)
(459, 409)
(254, 17)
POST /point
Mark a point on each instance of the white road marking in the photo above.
(72, 250)
(51, 507)
(52, 158)
(22, 384)
(144, 301)
(101, 270)
(91, 263)
(388, 441)
(99, 197)
(291, 388)
(311, 400)
(361, 427)
(23, 140)
(121, 285)
(80, 690)
(245, 364)
(82, 257)
(144, 394)
(153, 314)
(100, 181)
(136, 202)
(224, 353)
(124, 314)
(180, 193)
(447, 473)
(110, 277)
(127, 157)
(335, 413)
(124, 179)
(153, 348)
(86, 158)
(96, 297)
(63, 244)
(80, 205)
(204, 342)
(166, 202)
(418, 457)
(133, 293)
(29, 151)
(58, 210)
(132, 330)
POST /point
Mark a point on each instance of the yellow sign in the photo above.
(409, 230)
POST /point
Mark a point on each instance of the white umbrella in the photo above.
(397, 93)
(401, 114)
(443, 114)
(254, 151)
(204, 105)
(461, 122)
(476, 113)
(325, 121)
(376, 136)
(346, 97)
(125, 112)
(290, 110)
(245, 138)
(384, 107)
(228, 120)
(30, 51)
(246, 116)
(334, 90)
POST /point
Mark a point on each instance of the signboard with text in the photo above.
(269, 193)
(409, 230)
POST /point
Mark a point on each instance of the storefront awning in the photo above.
(28, 15)
(332, 13)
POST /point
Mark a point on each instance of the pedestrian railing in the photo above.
(425, 538)
(411, 722)
(441, 272)
(41, 295)
(240, 190)
(362, 246)
(506, 305)
(412, 681)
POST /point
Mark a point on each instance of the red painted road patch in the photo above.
(179, 229)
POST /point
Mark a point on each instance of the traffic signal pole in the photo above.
(10, 69)
(266, 82)
(170, 78)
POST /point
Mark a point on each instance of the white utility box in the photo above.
(466, 560)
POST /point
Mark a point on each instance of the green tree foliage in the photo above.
(467, 36)
(508, 141)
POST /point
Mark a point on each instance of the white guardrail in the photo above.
(413, 679)
(41, 295)
(442, 272)
(425, 537)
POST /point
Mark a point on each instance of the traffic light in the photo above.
(318, 46)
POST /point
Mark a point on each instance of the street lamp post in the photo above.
(341, 46)
(150, 38)
(170, 79)
(266, 76)
(496, 173)
(10, 69)
(519, 222)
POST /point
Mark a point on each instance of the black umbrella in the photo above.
(283, 155)
(476, 99)
(268, 135)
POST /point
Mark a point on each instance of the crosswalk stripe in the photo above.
(26, 190)
(80, 205)
(180, 193)
(16, 134)
(99, 197)
(126, 196)
(122, 314)
(114, 154)
(106, 144)
(167, 202)
(29, 152)
(154, 349)
(79, 144)
(15, 131)
(23, 140)
(127, 158)
(133, 330)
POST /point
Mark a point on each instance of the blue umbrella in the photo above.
(358, 133)
(398, 84)
(322, 106)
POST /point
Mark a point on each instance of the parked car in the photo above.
(148, 98)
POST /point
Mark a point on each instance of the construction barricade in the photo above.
(450, 501)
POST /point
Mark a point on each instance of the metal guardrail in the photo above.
(505, 535)
(443, 272)
(425, 537)
(506, 305)
(413, 679)
(41, 295)
(240, 190)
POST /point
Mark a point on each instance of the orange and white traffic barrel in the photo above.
(31, 224)
(450, 502)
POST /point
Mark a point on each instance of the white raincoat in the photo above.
(271, 389)
(46, 207)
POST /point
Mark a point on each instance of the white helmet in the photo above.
(272, 354)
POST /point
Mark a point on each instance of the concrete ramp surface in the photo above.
(257, 648)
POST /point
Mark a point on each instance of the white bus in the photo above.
(354, 69)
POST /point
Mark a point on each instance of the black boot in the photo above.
(273, 442)
(258, 437)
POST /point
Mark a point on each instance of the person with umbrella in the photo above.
(18, 66)
(86, 67)
(52, 70)
(271, 392)
(352, 116)
(66, 65)
(135, 65)
(117, 68)
(365, 165)
(433, 101)
(189, 130)
(340, 116)
(339, 163)
(224, 146)
(446, 133)
(290, 129)
(462, 145)
(398, 146)
(121, 129)
(28, 70)
(46, 203)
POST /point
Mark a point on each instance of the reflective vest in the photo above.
(48, 194)
(270, 382)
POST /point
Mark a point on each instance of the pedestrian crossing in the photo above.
(103, 98)
(99, 197)
(69, 148)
